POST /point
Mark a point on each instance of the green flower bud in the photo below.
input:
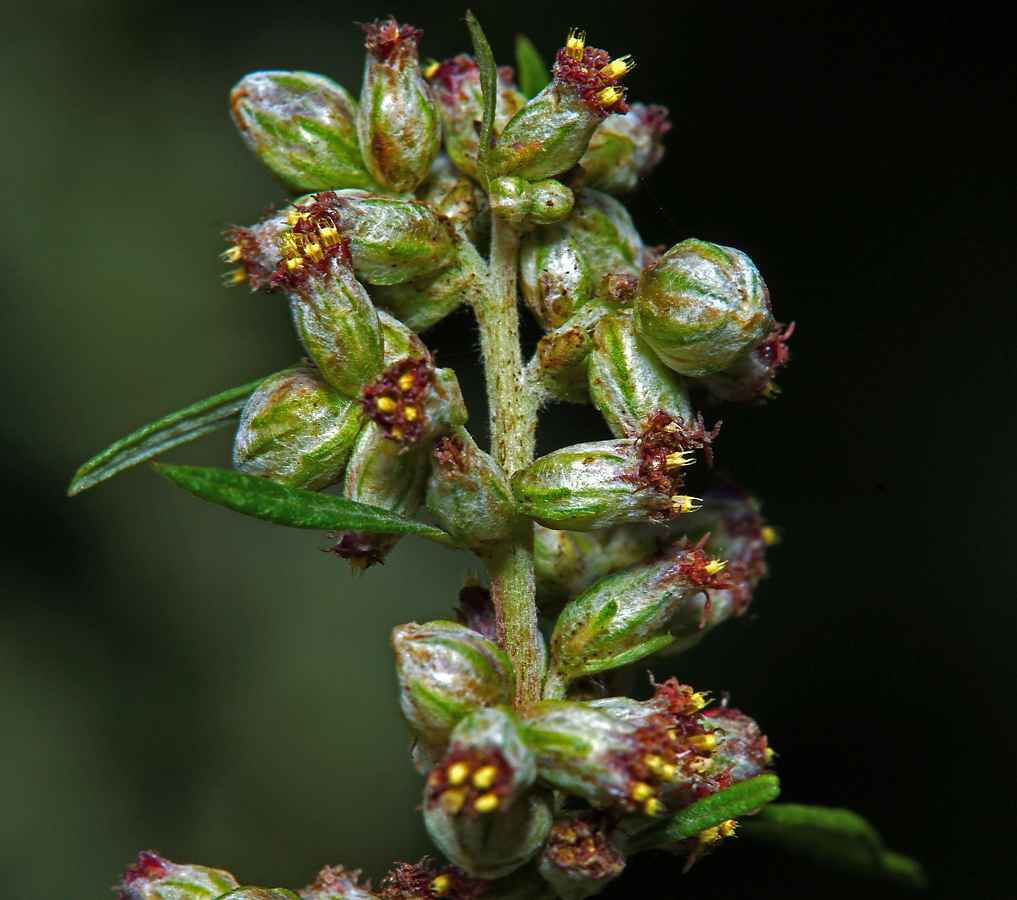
(455, 84)
(260, 893)
(413, 402)
(742, 750)
(702, 307)
(553, 275)
(154, 878)
(337, 883)
(551, 132)
(454, 196)
(603, 230)
(628, 383)
(623, 149)
(425, 301)
(568, 562)
(303, 128)
(446, 671)
(297, 430)
(334, 315)
(398, 124)
(383, 473)
(589, 486)
(468, 492)
(622, 617)
(582, 854)
(478, 807)
(750, 379)
(733, 530)
(391, 240)
(527, 205)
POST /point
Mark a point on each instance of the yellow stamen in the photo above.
(397, 433)
(292, 217)
(715, 565)
(678, 459)
(328, 232)
(727, 827)
(705, 743)
(386, 405)
(430, 69)
(441, 884)
(232, 255)
(659, 767)
(768, 756)
(406, 381)
(486, 803)
(314, 251)
(608, 96)
(641, 791)
(653, 807)
(695, 703)
(618, 67)
(699, 765)
(770, 390)
(410, 413)
(576, 44)
(235, 276)
(769, 535)
(458, 772)
(484, 777)
(452, 801)
(709, 835)
(685, 504)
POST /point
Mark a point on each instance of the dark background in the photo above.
(173, 676)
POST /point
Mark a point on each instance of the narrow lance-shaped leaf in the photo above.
(176, 428)
(837, 838)
(729, 803)
(289, 506)
(489, 91)
(531, 68)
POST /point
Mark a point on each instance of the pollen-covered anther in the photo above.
(661, 768)
(406, 381)
(705, 743)
(484, 777)
(695, 703)
(608, 96)
(452, 800)
(458, 772)
(618, 67)
(678, 459)
(715, 565)
(394, 400)
(235, 277)
(640, 791)
(441, 884)
(232, 255)
(486, 803)
(653, 807)
(386, 405)
(686, 504)
(727, 827)
(411, 413)
(576, 44)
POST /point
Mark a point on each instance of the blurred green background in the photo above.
(174, 676)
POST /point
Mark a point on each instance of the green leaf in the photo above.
(489, 91)
(177, 428)
(837, 838)
(294, 507)
(530, 68)
(729, 803)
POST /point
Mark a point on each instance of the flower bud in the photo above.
(446, 671)
(420, 882)
(398, 125)
(426, 300)
(623, 149)
(297, 430)
(603, 230)
(623, 616)
(750, 379)
(553, 275)
(155, 878)
(742, 750)
(334, 315)
(398, 341)
(527, 205)
(453, 196)
(468, 492)
(413, 402)
(551, 132)
(567, 563)
(732, 529)
(455, 84)
(303, 128)
(337, 883)
(381, 473)
(563, 355)
(478, 807)
(589, 486)
(582, 855)
(260, 893)
(628, 383)
(391, 240)
(702, 307)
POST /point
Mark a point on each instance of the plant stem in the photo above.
(513, 421)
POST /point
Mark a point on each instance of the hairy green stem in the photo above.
(513, 420)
